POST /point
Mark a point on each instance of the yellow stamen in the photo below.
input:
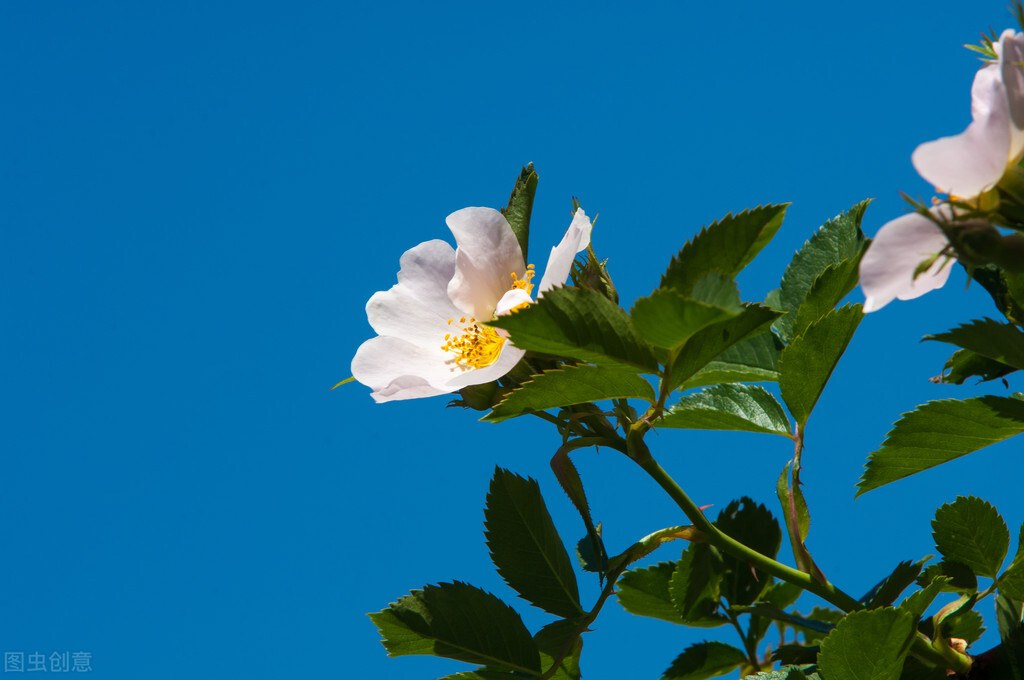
(524, 283)
(476, 347)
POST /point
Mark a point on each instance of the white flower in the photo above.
(429, 337)
(969, 164)
(963, 166)
(900, 247)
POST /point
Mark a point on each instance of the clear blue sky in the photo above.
(197, 200)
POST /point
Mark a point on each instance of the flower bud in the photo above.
(1011, 254)
(976, 242)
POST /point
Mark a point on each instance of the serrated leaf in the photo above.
(458, 621)
(917, 603)
(958, 577)
(1005, 289)
(743, 408)
(917, 670)
(694, 587)
(581, 324)
(784, 673)
(808, 360)
(970, 531)
(828, 290)
(1011, 583)
(938, 432)
(591, 554)
(705, 660)
(778, 595)
(753, 360)
(571, 385)
(966, 625)
(888, 589)
(1009, 615)
(525, 546)
(551, 639)
(753, 525)
(837, 240)
(964, 364)
(710, 343)
(727, 246)
(867, 645)
(667, 318)
(1002, 342)
(645, 592)
(520, 206)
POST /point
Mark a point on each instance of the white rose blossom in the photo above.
(430, 339)
(963, 166)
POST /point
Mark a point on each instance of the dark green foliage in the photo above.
(727, 246)
(970, 531)
(753, 360)
(569, 386)
(708, 344)
(458, 621)
(705, 660)
(753, 525)
(694, 587)
(867, 645)
(746, 408)
(520, 206)
(525, 546)
(964, 364)
(938, 432)
(889, 588)
(580, 324)
(809, 359)
(1001, 342)
(838, 242)
(646, 592)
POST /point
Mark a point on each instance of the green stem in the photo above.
(748, 644)
(726, 543)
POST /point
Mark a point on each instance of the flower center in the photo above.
(524, 283)
(474, 346)
(477, 346)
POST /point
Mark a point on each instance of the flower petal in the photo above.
(507, 360)
(511, 300)
(887, 270)
(972, 162)
(488, 254)
(1011, 57)
(396, 369)
(576, 239)
(417, 308)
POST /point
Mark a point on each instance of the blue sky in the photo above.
(197, 200)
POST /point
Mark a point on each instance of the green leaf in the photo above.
(520, 206)
(829, 289)
(694, 587)
(1009, 614)
(458, 621)
(645, 592)
(1002, 342)
(727, 246)
(917, 603)
(966, 625)
(753, 525)
(710, 343)
(744, 408)
(571, 385)
(1008, 661)
(1011, 583)
(581, 324)
(753, 360)
(1005, 289)
(888, 589)
(525, 546)
(778, 595)
(784, 673)
(837, 240)
(938, 432)
(867, 645)
(797, 518)
(705, 660)
(667, 318)
(964, 364)
(551, 639)
(955, 577)
(809, 359)
(774, 613)
(970, 531)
